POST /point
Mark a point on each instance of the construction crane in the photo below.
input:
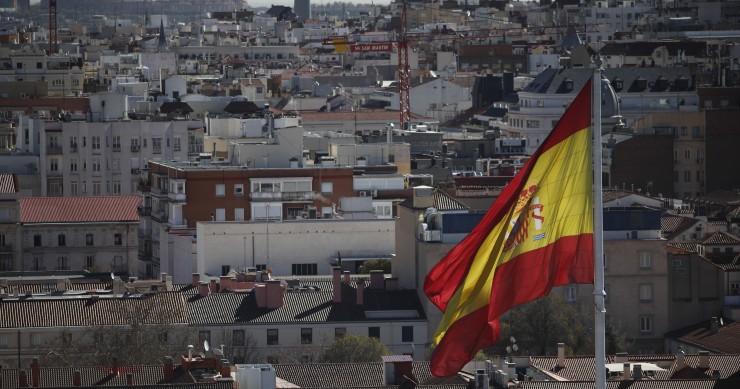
(53, 45)
(342, 43)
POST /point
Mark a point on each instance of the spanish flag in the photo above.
(538, 234)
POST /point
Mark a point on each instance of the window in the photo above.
(272, 337)
(238, 189)
(62, 263)
(95, 142)
(54, 165)
(156, 145)
(687, 176)
(220, 214)
(117, 187)
(237, 337)
(73, 165)
(571, 293)
(373, 332)
(304, 269)
(38, 263)
(177, 144)
(225, 269)
(687, 154)
(238, 213)
(96, 188)
(34, 340)
(675, 176)
(89, 240)
(90, 262)
(339, 332)
(646, 324)
(327, 188)
(646, 259)
(117, 143)
(61, 240)
(306, 335)
(117, 239)
(96, 165)
(3, 341)
(407, 334)
(37, 241)
(646, 292)
(220, 190)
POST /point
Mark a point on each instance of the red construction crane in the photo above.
(53, 46)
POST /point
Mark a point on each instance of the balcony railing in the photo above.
(160, 216)
(177, 196)
(134, 148)
(54, 150)
(145, 211)
(159, 191)
(281, 196)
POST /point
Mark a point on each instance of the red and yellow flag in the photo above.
(538, 234)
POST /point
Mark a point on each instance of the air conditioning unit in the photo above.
(432, 236)
(363, 193)
(374, 193)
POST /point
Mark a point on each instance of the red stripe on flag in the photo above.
(527, 277)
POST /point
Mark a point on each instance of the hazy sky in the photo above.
(289, 3)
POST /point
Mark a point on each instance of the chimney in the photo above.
(224, 282)
(76, 378)
(260, 295)
(61, 285)
(163, 277)
(714, 325)
(680, 359)
(196, 279)
(169, 369)
(190, 352)
(626, 371)
(481, 379)
(274, 294)
(337, 285)
(118, 287)
(203, 289)
(377, 279)
(360, 292)
(561, 355)
(214, 285)
(703, 360)
(168, 284)
(391, 283)
(621, 358)
(225, 369)
(346, 277)
(395, 367)
(22, 379)
(35, 372)
(130, 379)
(637, 372)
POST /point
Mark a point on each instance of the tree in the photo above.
(353, 348)
(375, 264)
(540, 325)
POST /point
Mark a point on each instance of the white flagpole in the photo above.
(599, 293)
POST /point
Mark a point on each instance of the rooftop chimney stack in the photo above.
(346, 277)
(703, 360)
(377, 279)
(621, 358)
(637, 372)
(337, 285)
(225, 369)
(35, 372)
(274, 294)
(214, 285)
(626, 371)
(203, 289)
(130, 379)
(22, 379)
(169, 368)
(196, 279)
(360, 292)
(561, 355)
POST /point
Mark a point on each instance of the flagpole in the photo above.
(599, 293)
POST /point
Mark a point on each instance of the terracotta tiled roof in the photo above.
(8, 183)
(613, 194)
(642, 384)
(79, 209)
(474, 192)
(673, 225)
(445, 202)
(357, 375)
(71, 311)
(720, 238)
(725, 341)
(22, 288)
(384, 115)
(681, 247)
(302, 306)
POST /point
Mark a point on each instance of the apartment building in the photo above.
(9, 232)
(178, 195)
(94, 233)
(63, 74)
(80, 158)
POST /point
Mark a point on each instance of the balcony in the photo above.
(53, 173)
(134, 148)
(160, 216)
(135, 170)
(177, 197)
(117, 148)
(281, 196)
(54, 150)
(159, 191)
(195, 149)
(144, 211)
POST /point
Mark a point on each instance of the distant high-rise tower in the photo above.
(302, 8)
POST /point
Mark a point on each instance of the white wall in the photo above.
(245, 244)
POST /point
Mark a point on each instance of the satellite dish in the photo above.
(206, 346)
(721, 322)
(112, 276)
